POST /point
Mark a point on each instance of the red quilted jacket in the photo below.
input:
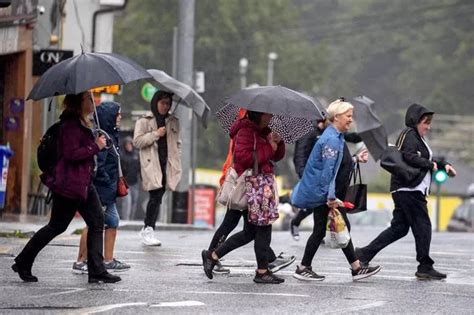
(242, 133)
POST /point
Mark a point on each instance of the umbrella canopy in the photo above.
(369, 126)
(292, 111)
(277, 100)
(86, 71)
(186, 94)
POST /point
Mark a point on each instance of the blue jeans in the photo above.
(111, 216)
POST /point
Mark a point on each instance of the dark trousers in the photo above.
(62, 213)
(300, 216)
(231, 219)
(410, 212)
(262, 236)
(153, 206)
(320, 215)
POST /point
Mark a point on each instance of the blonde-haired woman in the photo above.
(325, 179)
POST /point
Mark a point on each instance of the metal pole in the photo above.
(243, 66)
(271, 61)
(174, 71)
(438, 206)
(185, 75)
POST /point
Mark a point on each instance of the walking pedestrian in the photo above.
(303, 148)
(410, 198)
(247, 133)
(130, 162)
(72, 190)
(105, 181)
(157, 136)
(325, 180)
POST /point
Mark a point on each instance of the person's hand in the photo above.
(274, 146)
(161, 132)
(101, 141)
(450, 170)
(332, 203)
(363, 156)
(275, 137)
(435, 167)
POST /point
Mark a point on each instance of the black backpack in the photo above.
(47, 153)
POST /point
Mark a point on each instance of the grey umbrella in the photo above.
(185, 93)
(86, 71)
(292, 110)
(369, 126)
(277, 100)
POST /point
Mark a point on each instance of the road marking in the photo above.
(246, 293)
(105, 308)
(357, 308)
(68, 291)
(178, 304)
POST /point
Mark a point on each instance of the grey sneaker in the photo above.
(307, 274)
(220, 269)
(364, 272)
(116, 266)
(281, 262)
(80, 267)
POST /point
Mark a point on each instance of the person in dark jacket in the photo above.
(72, 190)
(325, 181)
(246, 133)
(303, 149)
(130, 161)
(410, 198)
(105, 182)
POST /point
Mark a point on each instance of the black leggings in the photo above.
(62, 213)
(153, 206)
(301, 215)
(261, 234)
(320, 215)
(231, 220)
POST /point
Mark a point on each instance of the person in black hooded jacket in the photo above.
(410, 198)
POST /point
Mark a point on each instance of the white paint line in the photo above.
(246, 293)
(357, 308)
(105, 308)
(178, 304)
(72, 290)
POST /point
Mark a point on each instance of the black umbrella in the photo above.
(86, 71)
(293, 111)
(190, 97)
(369, 127)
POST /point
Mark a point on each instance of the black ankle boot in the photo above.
(104, 277)
(25, 274)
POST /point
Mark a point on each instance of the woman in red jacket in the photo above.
(71, 184)
(246, 133)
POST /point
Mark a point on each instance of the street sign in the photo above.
(46, 58)
(147, 92)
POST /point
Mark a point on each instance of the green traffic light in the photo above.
(440, 176)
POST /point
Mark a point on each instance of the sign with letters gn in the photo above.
(46, 58)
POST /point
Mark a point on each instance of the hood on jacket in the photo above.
(107, 113)
(414, 113)
(246, 123)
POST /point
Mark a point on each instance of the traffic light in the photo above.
(440, 176)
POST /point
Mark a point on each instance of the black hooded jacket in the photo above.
(162, 142)
(414, 150)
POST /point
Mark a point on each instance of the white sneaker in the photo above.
(148, 237)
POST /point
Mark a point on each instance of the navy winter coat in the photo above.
(106, 178)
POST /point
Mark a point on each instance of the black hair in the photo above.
(254, 116)
(158, 96)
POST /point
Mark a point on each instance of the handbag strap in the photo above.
(254, 153)
(120, 173)
(356, 173)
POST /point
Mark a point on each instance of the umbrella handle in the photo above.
(109, 143)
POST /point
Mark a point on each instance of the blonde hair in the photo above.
(339, 106)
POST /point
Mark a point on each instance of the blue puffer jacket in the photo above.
(318, 183)
(107, 160)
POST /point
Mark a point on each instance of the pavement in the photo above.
(169, 279)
